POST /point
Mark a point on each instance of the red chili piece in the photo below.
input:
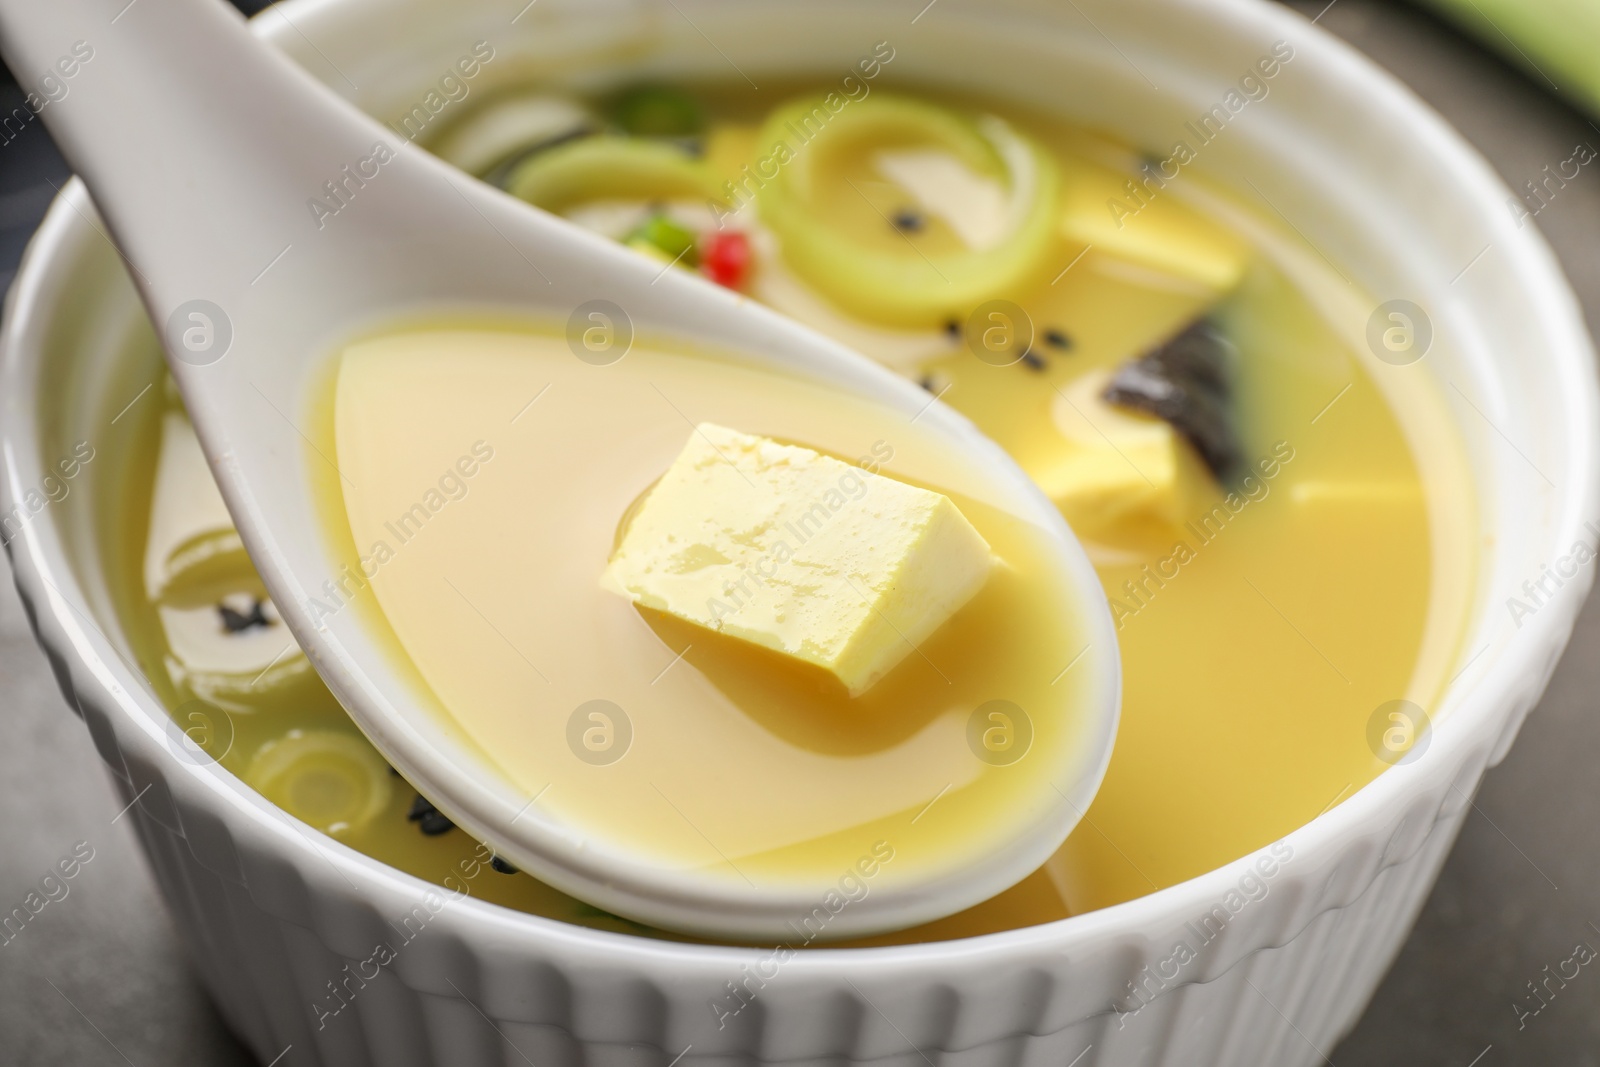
(726, 259)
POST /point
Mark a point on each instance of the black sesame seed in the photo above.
(435, 824)
(926, 381)
(501, 865)
(429, 819)
(419, 807)
(1057, 339)
(1031, 361)
(237, 621)
(952, 329)
(907, 221)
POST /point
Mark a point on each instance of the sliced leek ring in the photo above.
(513, 125)
(257, 670)
(281, 683)
(612, 168)
(328, 779)
(900, 285)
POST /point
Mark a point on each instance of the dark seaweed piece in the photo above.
(908, 221)
(429, 819)
(1184, 381)
(501, 865)
(1031, 360)
(236, 622)
(1057, 339)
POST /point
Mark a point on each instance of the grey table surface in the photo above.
(100, 978)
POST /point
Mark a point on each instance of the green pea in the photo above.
(677, 242)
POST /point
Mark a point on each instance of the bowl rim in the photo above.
(39, 558)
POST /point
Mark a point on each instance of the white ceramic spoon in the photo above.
(203, 149)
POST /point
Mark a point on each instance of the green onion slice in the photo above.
(813, 149)
(612, 168)
(328, 779)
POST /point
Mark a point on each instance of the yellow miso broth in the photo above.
(1262, 622)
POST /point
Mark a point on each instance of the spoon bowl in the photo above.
(266, 222)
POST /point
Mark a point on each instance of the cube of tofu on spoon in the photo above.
(800, 553)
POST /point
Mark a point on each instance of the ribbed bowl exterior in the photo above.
(271, 924)
(283, 923)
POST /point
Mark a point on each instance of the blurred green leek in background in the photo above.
(1557, 41)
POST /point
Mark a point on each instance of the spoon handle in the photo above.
(200, 144)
